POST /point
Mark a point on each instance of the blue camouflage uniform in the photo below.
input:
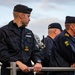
(17, 44)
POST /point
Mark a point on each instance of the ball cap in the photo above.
(22, 9)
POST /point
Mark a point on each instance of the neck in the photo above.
(51, 35)
(17, 21)
(71, 33)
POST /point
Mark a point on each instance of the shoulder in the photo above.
(6, 27)
(60, 36)
(63, 38)
(28, 30)
(47, 40)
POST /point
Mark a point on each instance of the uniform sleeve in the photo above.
(37, 54)
(67, 49)
(62, 53)
(4, 55)
(47, 51)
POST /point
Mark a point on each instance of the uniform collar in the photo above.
(68, 35)
(49, 37)
(14, 25)
(17, 30)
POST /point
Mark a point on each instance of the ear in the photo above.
(71, 26)
(55, 30)
(21, 15)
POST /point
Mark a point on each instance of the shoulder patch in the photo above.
(66, 43)
(28, 33)
(26, 48)
(28, 36)
(66, 34)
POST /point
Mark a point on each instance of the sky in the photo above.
(44, 13)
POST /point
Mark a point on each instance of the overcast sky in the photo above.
(44, 12)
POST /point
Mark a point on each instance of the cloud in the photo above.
(10, 3)
(40, 26)
(44, 12)
(40, 5)
(42, 2)
(59, 1)
(55, 4)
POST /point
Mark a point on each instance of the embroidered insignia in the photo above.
(26, 48)
(66, 34)
(66, 43)
(28, 35)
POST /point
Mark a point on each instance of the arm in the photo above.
(22, 66)
(37, 57)
(5, 55)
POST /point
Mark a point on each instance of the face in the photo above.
(25, 19)
(73, 29)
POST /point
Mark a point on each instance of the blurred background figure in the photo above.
(53, 30)
(63, 51)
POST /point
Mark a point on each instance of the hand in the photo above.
(73, 65)
(37, 67)
(22, 66)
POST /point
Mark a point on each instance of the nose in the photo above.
(29, 19)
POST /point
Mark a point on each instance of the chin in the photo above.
(26, 25)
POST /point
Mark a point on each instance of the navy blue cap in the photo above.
(55, 25)
(22, 9)
(70, 19)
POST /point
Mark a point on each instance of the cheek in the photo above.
(74, 29)
(26, 19)
(58, 32)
